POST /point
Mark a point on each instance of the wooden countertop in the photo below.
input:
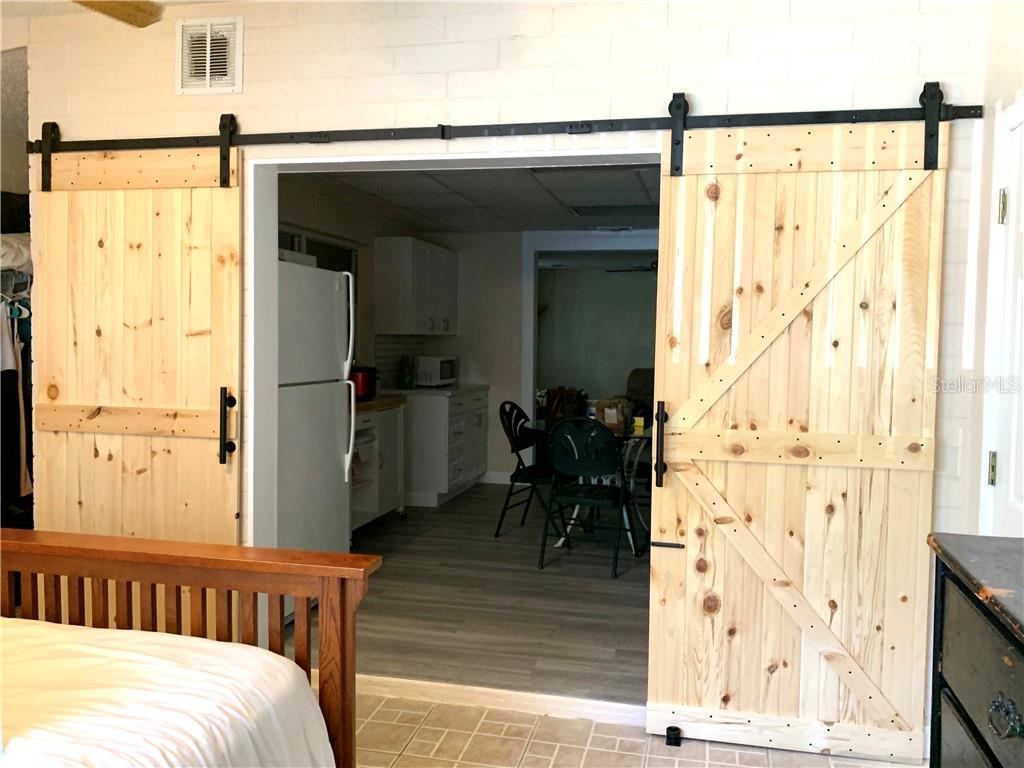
(380, 403)
(990, 566)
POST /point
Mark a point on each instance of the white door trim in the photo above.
(263, 164)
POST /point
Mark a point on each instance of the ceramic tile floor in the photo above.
(408, 733)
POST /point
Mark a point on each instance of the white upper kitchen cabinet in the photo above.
(415, 288)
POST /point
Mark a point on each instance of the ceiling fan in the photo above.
(137, 13)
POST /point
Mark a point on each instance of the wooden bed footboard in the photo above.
(208, 590)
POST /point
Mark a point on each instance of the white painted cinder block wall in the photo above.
(348, 65)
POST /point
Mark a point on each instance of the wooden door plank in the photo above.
(127, 420)
(724, 220)
(82, 241)
(168, 231)
(805, 148)
(860, 582)
(840, 525)
(761, 337)
(140, 169)
(778, 583)
(226, 351)
(851, 450)
(780, 637)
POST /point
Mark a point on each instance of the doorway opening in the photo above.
(452, 262)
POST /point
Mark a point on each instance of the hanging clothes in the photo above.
(7, 353)
(24, 478)
(15, 414)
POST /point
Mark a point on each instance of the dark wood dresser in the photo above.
(978, 652)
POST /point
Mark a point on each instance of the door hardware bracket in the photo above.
(47, 146)
(228, 128)
(678, 109)
(931, 100)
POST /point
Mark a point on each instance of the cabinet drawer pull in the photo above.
(1004, 719)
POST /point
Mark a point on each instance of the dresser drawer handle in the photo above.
(1004, 719)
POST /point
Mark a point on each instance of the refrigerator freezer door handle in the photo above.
(349, 452)
(351, 324)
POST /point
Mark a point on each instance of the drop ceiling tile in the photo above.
(594, 186)
(418, 201)
(651, 178)
(386, 183)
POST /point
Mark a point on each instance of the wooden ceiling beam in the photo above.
(138, 13)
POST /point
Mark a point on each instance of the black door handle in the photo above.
(660, 417)
(226, 446)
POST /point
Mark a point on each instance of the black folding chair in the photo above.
(520, 437)
(588, 473)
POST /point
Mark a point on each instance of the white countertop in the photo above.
(451, 391)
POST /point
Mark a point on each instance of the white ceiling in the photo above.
(499, 200)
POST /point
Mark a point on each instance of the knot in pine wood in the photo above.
(773, 668)
(799, 451)
(914, 448)
(830, 509)
(712, 603)
(713, 191)
(53, 391)
(758, 287)
(701, 565)
(725, 319)
(737, 450)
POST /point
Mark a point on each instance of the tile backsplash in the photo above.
(389, 353)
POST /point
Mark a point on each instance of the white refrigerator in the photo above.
(315, 406)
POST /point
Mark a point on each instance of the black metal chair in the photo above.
(588, 473)
(520, 438)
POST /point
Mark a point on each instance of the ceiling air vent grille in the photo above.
(210, 55)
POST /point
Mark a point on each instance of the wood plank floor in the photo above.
(453, 604)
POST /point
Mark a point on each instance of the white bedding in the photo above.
(105, 697)
(16, 251)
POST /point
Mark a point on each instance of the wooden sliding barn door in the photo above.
(797, 342)
(136, 327)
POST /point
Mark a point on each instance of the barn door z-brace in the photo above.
(931, 112)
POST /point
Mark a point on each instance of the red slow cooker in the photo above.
(365, 380)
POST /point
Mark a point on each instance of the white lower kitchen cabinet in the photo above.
(445, 442)
(377, 473)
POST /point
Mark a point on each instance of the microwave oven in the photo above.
(436, 371)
